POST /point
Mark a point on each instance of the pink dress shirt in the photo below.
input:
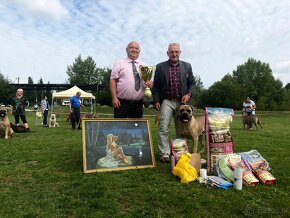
(123, 72)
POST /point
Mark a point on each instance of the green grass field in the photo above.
(41, 176)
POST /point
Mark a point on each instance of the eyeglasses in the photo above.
(174, 43)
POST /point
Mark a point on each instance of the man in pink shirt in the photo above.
(126, 86)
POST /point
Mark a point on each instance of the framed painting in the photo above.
(116, 144)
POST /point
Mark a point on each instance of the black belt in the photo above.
(173, 99)
(130, 101)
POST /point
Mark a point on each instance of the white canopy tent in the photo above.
(67, 94)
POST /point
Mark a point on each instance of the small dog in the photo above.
(251, 119)
(52, 121)
(189, 126)
(157, 118)
(5, 129)
(69, 118)
(88, 115)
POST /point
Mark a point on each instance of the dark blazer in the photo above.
(161, 80)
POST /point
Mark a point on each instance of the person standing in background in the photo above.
(249, 106)
(18, 108)
(74, 107)
(44, 109)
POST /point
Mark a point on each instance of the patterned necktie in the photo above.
(136, 76)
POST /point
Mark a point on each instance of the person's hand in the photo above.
(149, 83)
(157, 106)
(185, 99)
(116, 103)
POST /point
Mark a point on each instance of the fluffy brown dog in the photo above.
(253, 119)
(5, 129)
(189, 126)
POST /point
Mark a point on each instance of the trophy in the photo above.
(146, 74)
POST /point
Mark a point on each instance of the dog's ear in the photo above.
(192, 108)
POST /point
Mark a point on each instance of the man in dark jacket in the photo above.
(173, 83)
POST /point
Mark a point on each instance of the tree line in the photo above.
(253, 78)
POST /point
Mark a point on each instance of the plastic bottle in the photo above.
(238, 175)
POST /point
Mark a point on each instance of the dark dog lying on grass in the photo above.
(88, 115)
(251, 119)
(19, 128)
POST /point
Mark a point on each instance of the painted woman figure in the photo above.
(18, 108)
(115, 154)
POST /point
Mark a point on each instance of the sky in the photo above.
(41, 38)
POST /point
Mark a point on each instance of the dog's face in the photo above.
(52, 117)
(3, 113)
(185, 113)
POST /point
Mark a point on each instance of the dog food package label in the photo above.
(217, 151)
(234, 160)
(265, 177)
(216, 137)
(250, 179)
(219, 138)
(219, 119)
(178, 147)
(255, 158)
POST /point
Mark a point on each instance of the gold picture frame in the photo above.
(116, 144)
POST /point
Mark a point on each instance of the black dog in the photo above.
(19, 128)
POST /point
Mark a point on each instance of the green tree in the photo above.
(7, 92)
(199, 88)
(86, 72)
(40, 81)
(258, 81)
(224, 93)
(286, 101)
(30, 80)
(83, 71)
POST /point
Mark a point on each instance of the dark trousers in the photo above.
(45, 113)
(76, 114)
(129, 109)
(23, 118)
(250, 115)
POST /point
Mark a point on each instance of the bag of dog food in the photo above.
(178, 147)
(227, 164)
(235, 160)
(259, 166)
(219, 137)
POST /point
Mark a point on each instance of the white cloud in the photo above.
(40, 38)
(47, 9)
